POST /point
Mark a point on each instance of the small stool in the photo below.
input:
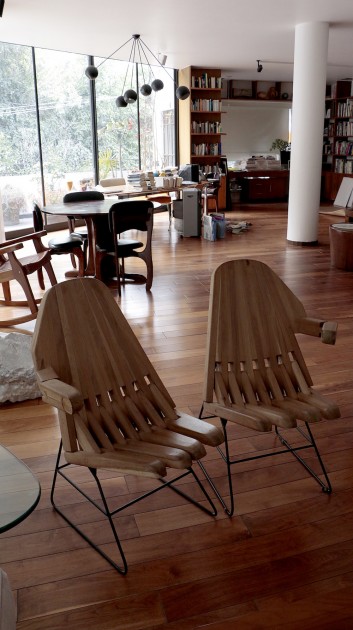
(341, 245)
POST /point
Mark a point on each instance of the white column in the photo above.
(309, 86)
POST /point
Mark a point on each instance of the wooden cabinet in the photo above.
(262, 185)
(200, 116)
(337, 154)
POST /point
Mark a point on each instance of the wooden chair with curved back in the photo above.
(123, 217)
(114, 410)
(256, 375)
(80, 196)
(210, 195)
(17, 268)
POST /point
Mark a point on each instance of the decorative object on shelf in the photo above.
(259, 65)
(280, 145)
(138, 51)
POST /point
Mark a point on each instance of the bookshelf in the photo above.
(235, 89)
(200, 117)
(337, 154)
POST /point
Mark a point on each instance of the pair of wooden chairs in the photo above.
(115, 412)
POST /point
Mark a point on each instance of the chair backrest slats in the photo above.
(251, 332)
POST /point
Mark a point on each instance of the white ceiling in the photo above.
(227, 34)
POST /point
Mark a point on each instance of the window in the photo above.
(46, 141)
(20, 178)
(117, 128)
(65, 123)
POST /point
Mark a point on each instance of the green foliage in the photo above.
(279, 145)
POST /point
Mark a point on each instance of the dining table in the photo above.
(95, 214)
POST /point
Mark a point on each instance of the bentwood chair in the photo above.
(14, 268)
(114, 410)
(80, 197)
(68, 244)
(210, 195)
(256, 375)
(123, 217)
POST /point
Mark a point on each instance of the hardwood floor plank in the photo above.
(285, 558)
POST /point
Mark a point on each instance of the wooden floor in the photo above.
(286, 558)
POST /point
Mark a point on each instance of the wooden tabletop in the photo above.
(19, 490)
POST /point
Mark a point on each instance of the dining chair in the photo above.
(17, 268)
(256, 375)
(112, 181)
(210, 195)
(166, 202)
(67, 244)
(123, 217)
(114, 410)
(80, 196)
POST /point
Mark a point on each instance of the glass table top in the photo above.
(19, 490)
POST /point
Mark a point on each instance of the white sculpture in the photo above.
(17, 376)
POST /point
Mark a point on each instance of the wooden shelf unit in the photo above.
(337, 153)
(239, 89)
(200, 116)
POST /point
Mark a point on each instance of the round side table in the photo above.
(341, 245)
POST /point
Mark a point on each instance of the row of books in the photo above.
(344, 128)
(205, 127)
(206, 105)
(344, 147)
(206, 148)
(344, 166)
(141, 180)
(204, 81)
(345, 109)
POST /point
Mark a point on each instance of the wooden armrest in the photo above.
(27, 237)
(318, 328)
(5, 249)
(59, 394)
(198, 429)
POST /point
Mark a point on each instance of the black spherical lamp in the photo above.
(91, 72)
(182, 92)
(121, 102)
(130, 96)
(145, 89)
(157, 85)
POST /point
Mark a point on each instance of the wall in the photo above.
(252, 126)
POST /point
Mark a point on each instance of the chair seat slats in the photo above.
(175, 440)
(124, 462)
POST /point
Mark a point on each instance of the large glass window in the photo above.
(157, 128)
(20, 179)
(65, 123)
(46, 151)
(117, 127)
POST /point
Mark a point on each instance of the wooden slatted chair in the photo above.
(17, 268)
(113, 409)
(256, 375)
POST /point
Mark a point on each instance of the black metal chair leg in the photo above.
(121, 569)
(212, 511)
(312, 444)
(326, 487)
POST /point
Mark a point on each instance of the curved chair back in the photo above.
(38, 222)
(112, 181)
(84, 195)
